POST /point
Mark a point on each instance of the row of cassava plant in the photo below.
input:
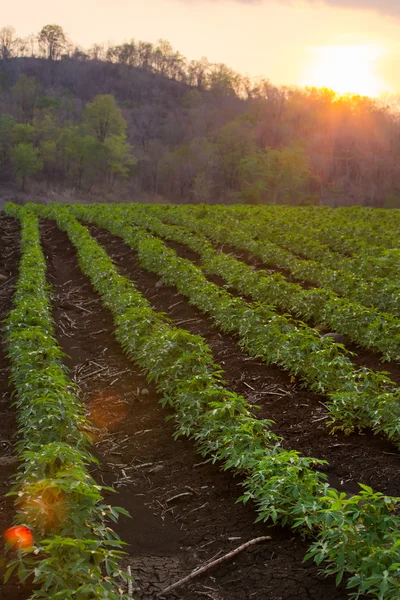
(75, 553)
(348, 239)
(358, 398)
(365, 326)
(346, 231)
(357, 536)
(283, 229)
(371, 281)
(382, 293)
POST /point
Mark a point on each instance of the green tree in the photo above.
(256, 174)
(202, 188)
(22, 134)
(234, 142)
(271, 176)
(120, 159)
(104, 118)
(86, 155)
(48, 102)
(189, 170)
(48, 152)
(25, 162)
(45, 128)
(293, 172)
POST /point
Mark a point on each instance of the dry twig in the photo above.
(130, 584)
(210, 565)
(179, 496)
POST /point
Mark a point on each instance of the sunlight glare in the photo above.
(43, 505)
(347, 70)
(106, 409)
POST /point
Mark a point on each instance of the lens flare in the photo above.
(106, 409)
(19, 537)
(44, 505)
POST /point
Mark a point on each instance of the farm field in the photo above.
(214, 317)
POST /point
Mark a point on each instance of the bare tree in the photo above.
(197, 73)
(8, 42)
(52, 41)
(97, 52)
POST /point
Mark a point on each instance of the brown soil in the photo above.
(300, 415)
(362, 357)
(184, 510)
(257, 263)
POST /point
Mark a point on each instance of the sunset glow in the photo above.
(347, 69)
(362, 35)
(106, 409)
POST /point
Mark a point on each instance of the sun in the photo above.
(346, 70)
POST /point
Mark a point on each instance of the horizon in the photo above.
(351, 51)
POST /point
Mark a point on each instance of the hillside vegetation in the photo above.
(139, 117)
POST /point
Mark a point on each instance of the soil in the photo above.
(184, 510)
(300, 416)
(362, 357)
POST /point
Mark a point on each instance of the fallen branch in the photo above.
(179, 496)
(210, 565)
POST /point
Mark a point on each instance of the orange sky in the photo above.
(288, 41)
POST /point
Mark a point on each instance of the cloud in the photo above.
(388, 7)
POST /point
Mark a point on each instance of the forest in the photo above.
(121, 121)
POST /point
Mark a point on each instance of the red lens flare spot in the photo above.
(19, 537)
(107, 409)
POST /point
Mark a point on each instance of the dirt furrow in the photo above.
(361, 357)
(184, 511)
(300, 415)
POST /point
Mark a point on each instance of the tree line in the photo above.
(192, 131)
(44, 144)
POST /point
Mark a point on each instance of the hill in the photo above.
(188, 131)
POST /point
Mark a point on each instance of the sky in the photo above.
(341, 44)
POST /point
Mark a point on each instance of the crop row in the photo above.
(346, 230)
(75, 553)
(278, 229)
(283, 229)
(351, 277)
(380, 292)
(358, 399)
(334, 229)
(359, 535)
(355, 278)
(365, 326)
